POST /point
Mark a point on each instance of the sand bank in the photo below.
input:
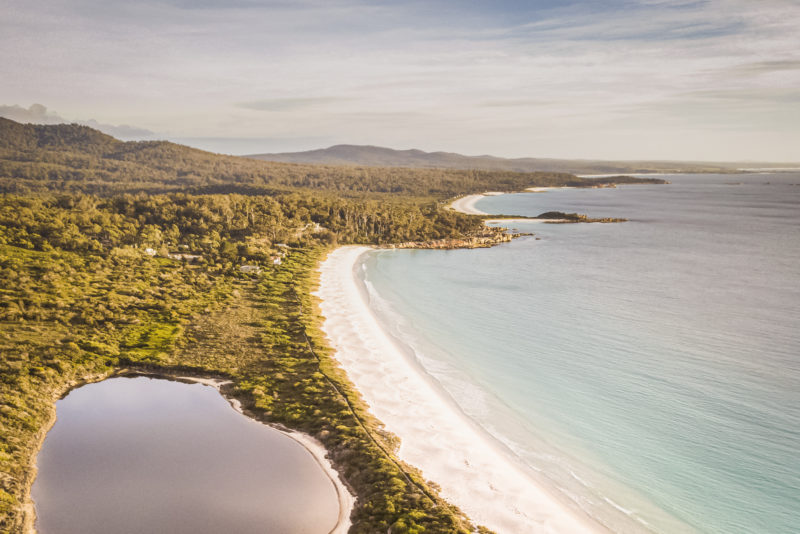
(546, 189)
(466, 204)
(472, 471)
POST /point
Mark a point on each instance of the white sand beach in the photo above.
(546, 189)
(467, 204)
(473, 472)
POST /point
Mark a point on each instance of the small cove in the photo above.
(150, 455)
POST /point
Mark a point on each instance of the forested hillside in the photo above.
(385, 157)
(73, 158)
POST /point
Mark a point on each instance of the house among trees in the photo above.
(187, 257)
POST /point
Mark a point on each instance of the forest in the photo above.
(71, 158)
(153, 257)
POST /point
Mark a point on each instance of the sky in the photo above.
(704, 80)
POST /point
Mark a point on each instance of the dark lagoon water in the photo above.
(649, 370)
(133, 455)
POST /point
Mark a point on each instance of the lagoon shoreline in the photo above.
(316, 449)
(470, 468)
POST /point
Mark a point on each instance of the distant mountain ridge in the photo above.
(74, 158)
(387, 157)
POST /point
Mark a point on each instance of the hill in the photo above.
(74, 158)
(380, 156)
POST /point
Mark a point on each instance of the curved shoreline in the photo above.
(466, 204)
(470, 470)
(312, 446)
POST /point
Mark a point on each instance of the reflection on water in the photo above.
(144, 455)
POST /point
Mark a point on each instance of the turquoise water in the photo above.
(650, 370)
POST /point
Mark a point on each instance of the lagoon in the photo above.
(145, 455)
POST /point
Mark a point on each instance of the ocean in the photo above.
(649, 371)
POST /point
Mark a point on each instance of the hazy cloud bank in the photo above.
(39, 114)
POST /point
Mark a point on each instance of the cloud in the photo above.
(765, 67)
(774, 96)
(515, 103)
(38, 114)
(290, 104)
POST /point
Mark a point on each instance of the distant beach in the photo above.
(473, 472)
(546, 189)
(467, 203)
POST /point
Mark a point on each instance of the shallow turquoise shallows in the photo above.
(650, 370)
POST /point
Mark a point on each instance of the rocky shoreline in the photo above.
(487, 237)
(561, 217)
(491, 236)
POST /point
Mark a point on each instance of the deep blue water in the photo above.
(650, 369)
